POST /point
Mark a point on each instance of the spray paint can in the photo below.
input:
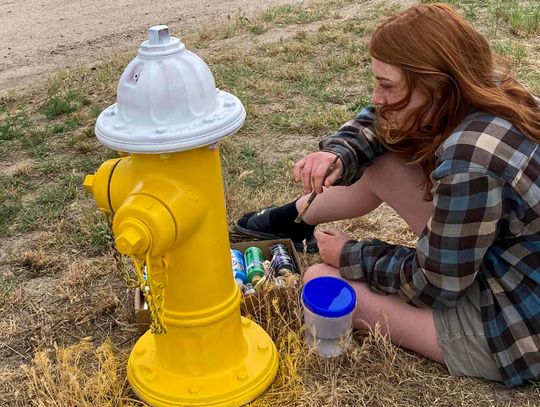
(238, 266)
(281, 259)
(254, 258)
(248, 289)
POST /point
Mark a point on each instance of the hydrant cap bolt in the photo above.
(160, 43)
(133, 238)
(167, 101)
(158, 34)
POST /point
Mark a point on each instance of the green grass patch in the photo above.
(6, 287)
(280, 16)
(12, 189)
(37, 143)
(239, 73)
(84, 141)
(309, 84)
(89, 163)
(511, 49)
(100, 236)
(62, 102)
(522, 17)
(328, 120)
(92, 234)
(257, 29)
(515, 17)
(13, 125)
(293, 14)
(50, 202)
(9, 209)
(531, 79)
(244, 164)
(69, 124)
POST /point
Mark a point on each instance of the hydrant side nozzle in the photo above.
(133, 237)
(143, 224)
(98, 184)
(88, 183)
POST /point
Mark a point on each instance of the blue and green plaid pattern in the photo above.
(485, 225)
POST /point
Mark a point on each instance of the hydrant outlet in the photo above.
(143, 224)
(133, 237)
(88, 183)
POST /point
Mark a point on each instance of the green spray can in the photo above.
(254, 264)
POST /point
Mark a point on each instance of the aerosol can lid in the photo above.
(167, 101)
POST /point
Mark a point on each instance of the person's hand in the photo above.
(331, 242)
(312, 169)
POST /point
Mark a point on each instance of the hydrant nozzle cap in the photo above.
(133, 238)
(88, 183)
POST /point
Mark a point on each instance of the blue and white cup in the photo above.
(328, 304)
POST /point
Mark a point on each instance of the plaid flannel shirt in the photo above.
(484, 225)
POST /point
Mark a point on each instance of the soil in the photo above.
(38, 37)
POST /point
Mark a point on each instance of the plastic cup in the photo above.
(328, 304)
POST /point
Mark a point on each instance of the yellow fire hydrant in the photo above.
(168, 208)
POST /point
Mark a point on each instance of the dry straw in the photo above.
(301, 72)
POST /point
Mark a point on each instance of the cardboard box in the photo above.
(251, 304)
(142, 315)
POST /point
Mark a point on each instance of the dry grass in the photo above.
(67, 321)
(79, 375)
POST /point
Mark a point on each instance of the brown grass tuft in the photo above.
(80, 375)
(300, 72)
(38, 262)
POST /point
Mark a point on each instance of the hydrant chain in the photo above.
(153, 293)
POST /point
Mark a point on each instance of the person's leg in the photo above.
(407, 326)
(388, 180)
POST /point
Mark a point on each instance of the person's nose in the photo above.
(378, 98)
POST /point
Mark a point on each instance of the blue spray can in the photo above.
(238, 266)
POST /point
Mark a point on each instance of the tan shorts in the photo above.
(462, 339)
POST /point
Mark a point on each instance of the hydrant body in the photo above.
(169, 214)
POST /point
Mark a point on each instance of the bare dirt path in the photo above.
(38, 37)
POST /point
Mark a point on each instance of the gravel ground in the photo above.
(38, 37)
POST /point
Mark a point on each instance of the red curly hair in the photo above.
(448, 61)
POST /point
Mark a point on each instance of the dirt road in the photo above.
(38, 37)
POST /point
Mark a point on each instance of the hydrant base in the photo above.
(239, 384)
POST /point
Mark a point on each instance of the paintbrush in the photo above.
(314, 192)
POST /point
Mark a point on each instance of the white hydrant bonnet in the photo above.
(167, 101)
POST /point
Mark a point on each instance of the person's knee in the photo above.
(318, 270)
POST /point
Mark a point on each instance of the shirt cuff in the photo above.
(350, 264)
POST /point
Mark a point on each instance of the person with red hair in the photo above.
(452, 145)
